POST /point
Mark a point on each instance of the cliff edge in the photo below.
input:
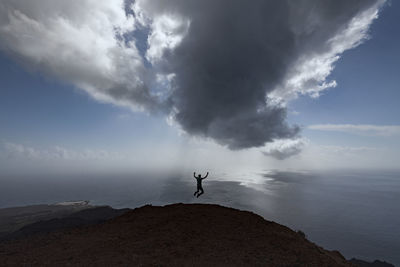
(173, 235)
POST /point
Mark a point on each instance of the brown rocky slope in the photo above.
(173, 235)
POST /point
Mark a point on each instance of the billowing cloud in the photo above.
(81, 42)
(283, 149)
(331, 27)
(23, 152)
(359, 129)
(220, 69)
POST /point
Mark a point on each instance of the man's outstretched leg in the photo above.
(196, 192)
(201, 192)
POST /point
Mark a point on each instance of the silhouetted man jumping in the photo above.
(199, 187)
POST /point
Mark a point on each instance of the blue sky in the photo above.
(41, 111)
(367, 90)
(367, 76)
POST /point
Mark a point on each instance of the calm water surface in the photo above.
(354, 212)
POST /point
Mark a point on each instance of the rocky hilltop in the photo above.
(173, 235)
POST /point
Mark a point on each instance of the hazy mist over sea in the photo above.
(354, 212)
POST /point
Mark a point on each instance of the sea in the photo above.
(354, 212)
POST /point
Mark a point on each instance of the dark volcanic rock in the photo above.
(174, 235)
(86, 217)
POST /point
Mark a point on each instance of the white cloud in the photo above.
(18, 150)
(359, 129)
(91, 44)
(81, 42)
(22, 152)
(283, 149)
(308, 75)
(167, 31)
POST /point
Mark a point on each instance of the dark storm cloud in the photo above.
(224, 65)
(220, 68)
(234, 53)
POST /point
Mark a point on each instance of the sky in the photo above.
(121, 86)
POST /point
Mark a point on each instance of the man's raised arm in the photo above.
(205, 176)
(194, 174)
